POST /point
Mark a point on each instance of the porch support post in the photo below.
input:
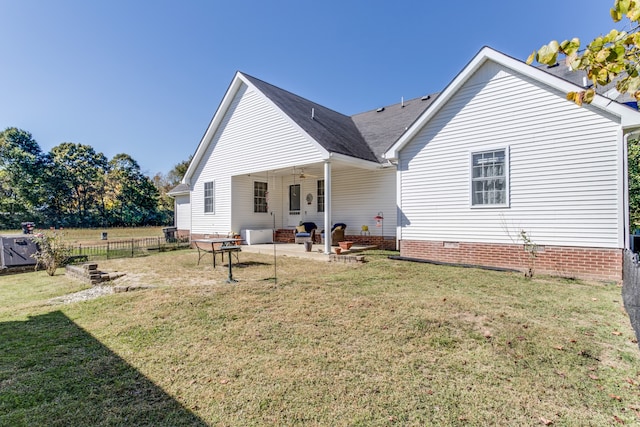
(327, 207)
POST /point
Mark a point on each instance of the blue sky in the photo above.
(145, 77)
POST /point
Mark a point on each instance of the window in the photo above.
(260, 197)
(294, 197)
(320, 195)
(489, 179)
(208, 197)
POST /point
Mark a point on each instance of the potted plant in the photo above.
(345, 244)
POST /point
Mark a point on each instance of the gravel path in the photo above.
(87, 294)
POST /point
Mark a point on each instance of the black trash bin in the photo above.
(170, 234)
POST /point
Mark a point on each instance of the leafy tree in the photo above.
(176, 174)
(22, 166)
(613, 57)
(80, 173)
(133, 199)
(164, 184)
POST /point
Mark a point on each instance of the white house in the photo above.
(271, 160)
(497, 160)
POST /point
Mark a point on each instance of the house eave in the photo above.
(359, 163)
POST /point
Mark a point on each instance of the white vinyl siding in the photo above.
(358, 195)
(563, 167)
(253, 136)
(182, 212)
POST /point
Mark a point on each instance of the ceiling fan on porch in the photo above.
(301, 174)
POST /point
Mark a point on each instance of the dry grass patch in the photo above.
(382, 343)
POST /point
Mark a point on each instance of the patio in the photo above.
(297, 250)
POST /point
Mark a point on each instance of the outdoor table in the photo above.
(225, 244)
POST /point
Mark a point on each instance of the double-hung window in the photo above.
(490, 178)
(320, 195)
(209, 201)
(260, 197)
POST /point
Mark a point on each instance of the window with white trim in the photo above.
(260, 197)
(209, 189)
(489, 178)
(320, 195)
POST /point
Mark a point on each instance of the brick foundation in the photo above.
(587, 263)
(284, 235)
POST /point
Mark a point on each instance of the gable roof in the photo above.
(332, 130)
(382, 127)
(179, 189)
(628, 116)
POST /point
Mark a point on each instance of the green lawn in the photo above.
(382, 343)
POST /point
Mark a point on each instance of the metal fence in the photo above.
(125, 248)
(631, 289)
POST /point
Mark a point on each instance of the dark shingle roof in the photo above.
(334, 131)
(365, 136)
(381, 128)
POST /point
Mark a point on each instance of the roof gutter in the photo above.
(360, 163)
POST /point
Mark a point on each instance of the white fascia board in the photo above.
(628, 116)
(359, 163)
(179, 193)
(235, 85)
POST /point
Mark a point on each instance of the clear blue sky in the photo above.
(144, 77)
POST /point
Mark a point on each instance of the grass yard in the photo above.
(378, 344)
(94, 235)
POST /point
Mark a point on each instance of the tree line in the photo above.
(75, 186)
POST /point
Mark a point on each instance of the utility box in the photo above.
(17, 251)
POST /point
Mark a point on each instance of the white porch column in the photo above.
(327, 207)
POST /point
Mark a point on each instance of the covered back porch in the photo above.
(357, 194)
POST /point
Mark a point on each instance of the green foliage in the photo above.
(82, 172)
(133, 199)
(608, 58)
(164, 184)
(634, 182)
(52, 253)
(75, 186)
(22, 176)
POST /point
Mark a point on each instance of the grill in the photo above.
(17, 251)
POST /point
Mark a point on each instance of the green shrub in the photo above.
(52, 251)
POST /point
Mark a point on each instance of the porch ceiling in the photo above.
(312, 170)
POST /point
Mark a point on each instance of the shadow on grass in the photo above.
(54, 373)
(245, 264)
